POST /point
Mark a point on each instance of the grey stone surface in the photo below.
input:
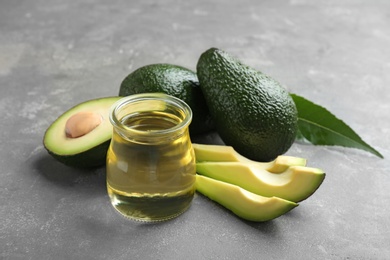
(55, 54)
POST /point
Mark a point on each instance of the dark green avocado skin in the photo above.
(243, 103)
(173, 80)
(92, 158)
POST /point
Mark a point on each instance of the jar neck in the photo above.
(150, 118)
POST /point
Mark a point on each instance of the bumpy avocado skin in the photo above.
(243, 103)
(173, 80)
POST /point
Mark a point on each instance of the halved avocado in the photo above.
(241, 202)
(82, 150)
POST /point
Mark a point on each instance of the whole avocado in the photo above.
(173, 80)
(251, 111)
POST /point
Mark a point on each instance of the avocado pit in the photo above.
(82, 123)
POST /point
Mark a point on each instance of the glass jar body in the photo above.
(150, 161)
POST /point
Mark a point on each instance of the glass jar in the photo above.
(150, 161)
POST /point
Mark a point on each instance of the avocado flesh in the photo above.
(297, 183)
(222, 153)
(251, 111)
(245, 204)
(89, 150)
(173, 80)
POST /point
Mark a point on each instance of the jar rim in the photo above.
(145, 97)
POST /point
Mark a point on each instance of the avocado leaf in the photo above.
(320, 127)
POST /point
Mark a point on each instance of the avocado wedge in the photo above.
(297, 183)
(222, 153)
(245, 204)
(80, 137)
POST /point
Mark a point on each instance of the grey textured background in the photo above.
(55, 54)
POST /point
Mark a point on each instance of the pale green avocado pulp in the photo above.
(296, 183)
(241, 202)
(286, 177)
(222, 153)
(88, 150)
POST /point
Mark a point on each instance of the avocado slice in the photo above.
(88, 148)
(251, 111)
(245, 204)
(173, 80)
(222, 153)
(297, 183)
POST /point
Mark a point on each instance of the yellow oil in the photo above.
(151, 181)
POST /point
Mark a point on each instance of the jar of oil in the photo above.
(150, 161)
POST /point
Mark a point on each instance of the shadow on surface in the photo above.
(207, 138)
(66, 176)
(267, 228)
(271, 227)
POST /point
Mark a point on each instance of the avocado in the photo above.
(173, 80)
(222, 153)
(251, 111)
(245, 204)
(295, 184)
(80, 137)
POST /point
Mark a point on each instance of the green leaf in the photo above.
(320, 127)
